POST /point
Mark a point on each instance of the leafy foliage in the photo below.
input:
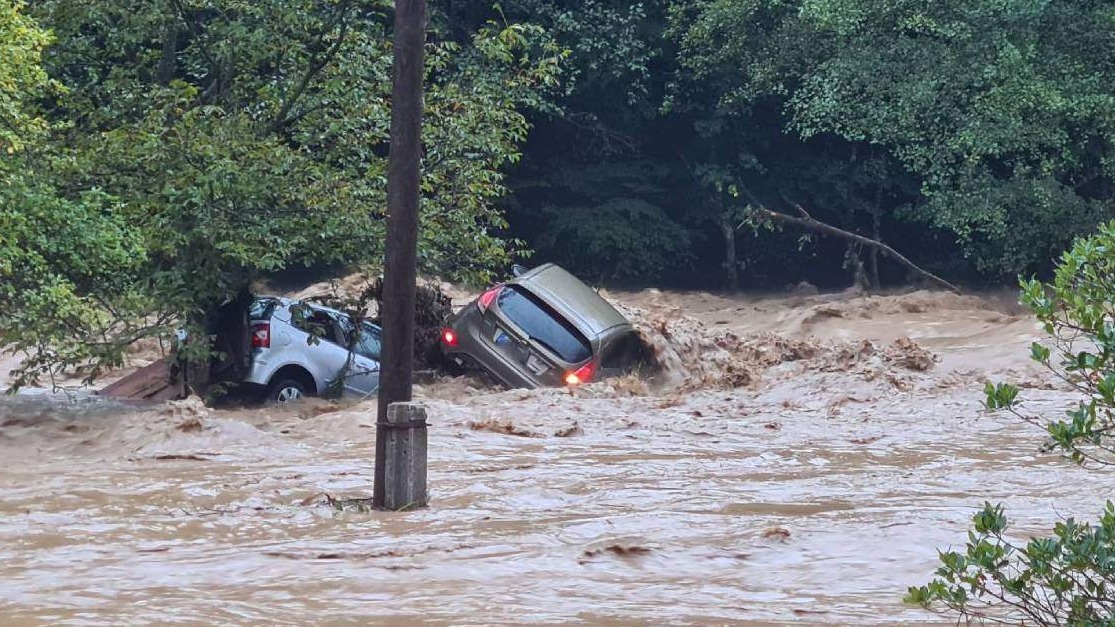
(1066, 579)
(222, 140)
(1001, 110)
(622, 238)
(62, 259)
(65, 266)
(1076, 310)
(22, 78)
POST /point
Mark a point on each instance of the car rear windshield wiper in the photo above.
(544, 345)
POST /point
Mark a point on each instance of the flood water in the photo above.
(814, 487)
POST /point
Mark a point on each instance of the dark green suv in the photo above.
(543, 328)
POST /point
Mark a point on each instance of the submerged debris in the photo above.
(190, 425)
(508, 427)
(906, 353)
(503, 426)
(780, 534)
(569, 431)
(617, 550)
(687, 355)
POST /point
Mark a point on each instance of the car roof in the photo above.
(288, 302)
(571, 298)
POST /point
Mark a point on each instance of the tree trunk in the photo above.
(855, 264)
(168, 60)
(876, 225)
(403, 179)
(731, 265)
(233, 339)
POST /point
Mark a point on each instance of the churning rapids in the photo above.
(799, 459)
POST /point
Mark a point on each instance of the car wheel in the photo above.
(286, 391)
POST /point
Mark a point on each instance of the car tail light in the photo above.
(449, 337)
(261, 335)
(486, 298)
(581, 375)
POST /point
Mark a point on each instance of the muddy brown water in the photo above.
(815, 494)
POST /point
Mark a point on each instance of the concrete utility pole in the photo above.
(404, 458)
(399, 272)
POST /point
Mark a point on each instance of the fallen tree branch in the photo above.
(808, 222)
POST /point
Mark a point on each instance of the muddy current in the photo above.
(797, 460)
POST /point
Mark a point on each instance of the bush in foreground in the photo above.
(1067, 578)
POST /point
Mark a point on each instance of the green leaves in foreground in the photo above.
(1077, 310)
(1066, 579)
(1000, 396)
(1069, 577)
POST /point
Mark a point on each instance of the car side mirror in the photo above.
(517, 270)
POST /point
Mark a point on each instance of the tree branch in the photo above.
(808, 222)
(317, 64)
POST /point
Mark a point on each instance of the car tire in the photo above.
(285, 391)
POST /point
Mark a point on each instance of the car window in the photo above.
(262, 308)
(370, 342)
(344, 323)
(623, 353)
(543, 324)
(317, 323)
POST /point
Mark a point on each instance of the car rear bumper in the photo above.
(467, 325)
(260, 369)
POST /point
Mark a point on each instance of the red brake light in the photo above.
(486, 298)
(582, 375)
(449, 337)
(261, 335)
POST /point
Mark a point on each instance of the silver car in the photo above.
(302, 349)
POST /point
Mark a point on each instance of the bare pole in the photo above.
(400, 258)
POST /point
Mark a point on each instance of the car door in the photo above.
(323, 352)
(363, 378)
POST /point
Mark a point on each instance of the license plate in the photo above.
(536, 365)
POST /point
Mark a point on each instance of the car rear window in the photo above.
(262, 308)
(543, 324)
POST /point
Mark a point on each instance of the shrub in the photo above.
(1069, 577)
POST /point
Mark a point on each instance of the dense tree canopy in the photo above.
(21, 76)
(60, 254)
(972, 133)
(1002, 110)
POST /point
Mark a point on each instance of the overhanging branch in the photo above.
(808, 222)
